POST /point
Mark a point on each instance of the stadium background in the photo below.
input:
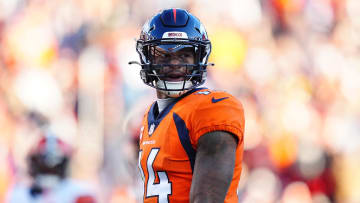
(295, 65)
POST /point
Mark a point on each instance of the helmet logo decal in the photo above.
(175, 35)
(174, 13)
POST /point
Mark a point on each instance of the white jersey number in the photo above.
(161, 189)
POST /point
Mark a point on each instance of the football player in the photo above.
(47, 165)
(191, 142)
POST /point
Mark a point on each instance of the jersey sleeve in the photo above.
(218, 112)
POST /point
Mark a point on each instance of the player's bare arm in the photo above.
(214, 165)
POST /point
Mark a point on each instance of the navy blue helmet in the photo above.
(169, 31)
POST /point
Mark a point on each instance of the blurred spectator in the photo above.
(48, 164)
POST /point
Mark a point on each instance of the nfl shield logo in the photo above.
(152, 128)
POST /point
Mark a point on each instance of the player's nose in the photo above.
(175, 60)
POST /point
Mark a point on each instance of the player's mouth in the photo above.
(174, 76)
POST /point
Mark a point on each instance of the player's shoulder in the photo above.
(213, 96)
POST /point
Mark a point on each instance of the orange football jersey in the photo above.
(168, 142)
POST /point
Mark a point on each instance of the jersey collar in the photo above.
(154, 121)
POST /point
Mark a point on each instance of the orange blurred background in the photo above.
(294, 64)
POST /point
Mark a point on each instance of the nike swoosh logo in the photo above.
(213, 100)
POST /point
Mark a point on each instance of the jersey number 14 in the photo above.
(162, 189)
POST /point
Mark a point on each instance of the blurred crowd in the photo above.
(294, 64)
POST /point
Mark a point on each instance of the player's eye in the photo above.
(185, 55)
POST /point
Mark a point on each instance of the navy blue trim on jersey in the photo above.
(184, 137)
(156, 120)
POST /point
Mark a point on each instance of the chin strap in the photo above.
(172, 86)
